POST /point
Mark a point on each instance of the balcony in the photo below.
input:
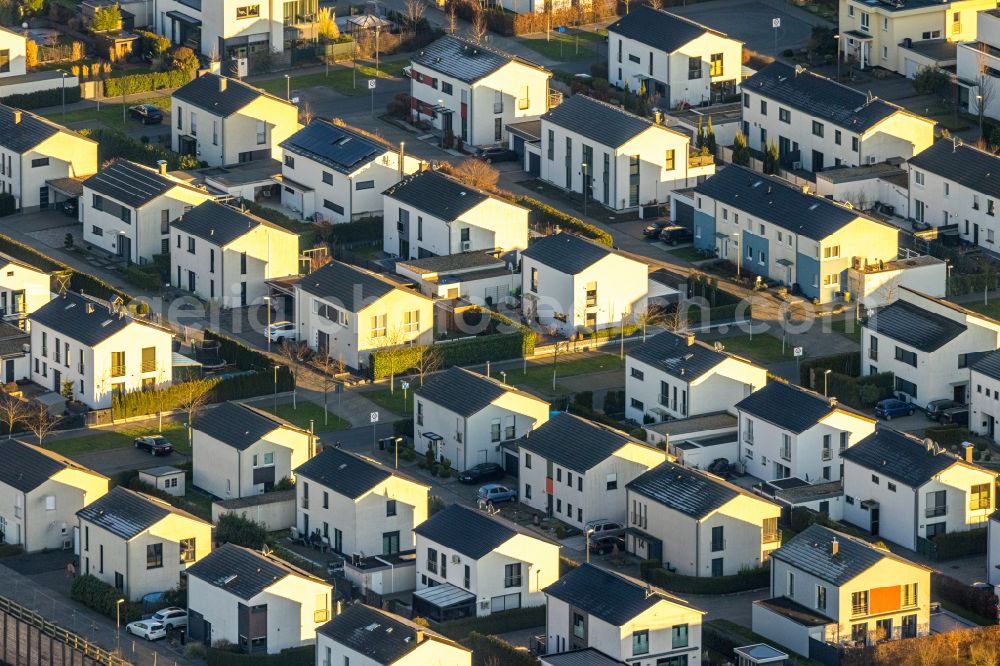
(935, 511)
(321, 615)
(786, 455)
(118, 371)
(497, 107)
(770, 537)
(718, 545)
(826, 454)
(695, 161)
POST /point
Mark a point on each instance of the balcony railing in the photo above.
(512, 581)
(873, 354)
(497, 107)
(934, 511)
(826, 454)
(118, 371)
(305, 502)
(695, 161)
(148, 366)
(718, 544)
(523, 103)
(664, 399)
(859, 609)
(770, 537)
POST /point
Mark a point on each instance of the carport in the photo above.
(526, 140)
(444, 602)
(65, 188)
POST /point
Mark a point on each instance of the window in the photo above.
(411, 321)
(364, 185)
(4, 61)
(859, 603)
(909, 595)
(906, 356)
(790, 585)
(327, 178)
(836, 137)
(855, 144)
(746, 101)
(527, 491)
(495, 430)
(329, 205)
(932, 34)
(907, 387)
(446, 88)
(668, 164)
(148, 359)
(432, 557)
(612, 482)
(261, 132)
(289, 161)
(117, 363)
(634, 58)
(831, 252)
(748, 432)
(187, 549)
(39, 162)
(918, 177)
(390, 508)
(784, 115)
(865, 21)
(817, 128)
(640, 642)
(716, 65)
(786, 446)
(694, 67)
(979, 497)
(679, 636)
(378, 326)
(154, 556)
(512, 575)
(875, 479)
(191, 244)
(891, 486)
(97, 231)
(215, 132)
(248, 11)
(718, 538)
(534, 279)
(552, 145)
(638, 374)
(527, 461)
(579, 626)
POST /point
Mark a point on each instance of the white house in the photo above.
(674, 376)
(818, 123)
(358, 505)
(239, 451)
(471, 563)
(976, 62)
(23, 289)
(469, 418)
(12, 53)
(903, 489)
(993, 552)
(950, 184)
(697, 524)
(673, 59)
(928, 344)
(431, 214)
(35, 152)
(984, 396)
(787, 431)
(98, 348)
(225, 255)
(834, 588)
(480, 278)
(363, 634)
(574, 284)
(139, 543)
(349, 312)
(126, 209)
(630, 160)
(335, 173)
(40, 493)
(622, 618)
(474, 91)
(258, 602)
(238, 123)
(577, 470)
(15, 353)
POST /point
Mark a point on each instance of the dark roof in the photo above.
(789, 407)
(966, 165)
(131, 184)
(471, 532)
(672, 353)
(989, 365)
(464, 60)
(349, 286)
(220, 224)
(575, 443)
(26, 467)
(12, 340)
(344, 473)
(658, 28)
(463, 391)
(820, 97)
(126, 513)
(691, 491)
(335, 146)
(810, 551)
(584, 657)
(899, 456)
(20, 137)
(378, 635)
(795, 611)
(566, 252)
(446, 263)
(239, 425)
(599, 121)
(939, 50)
(243, 572)
(778, 202)
(914, 326)
(68, 316)
(612, 597)
(203, 92)
(437, 194)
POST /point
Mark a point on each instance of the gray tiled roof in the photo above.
(788, 407)
(243, 572)
(28, 133)
(671, 352)
(899, 456)
(914, 326)
(334, 146)
(690, 491)
(966, 165)
(12, 340)
(220, 224)
(778, 202)
(463, 391)
(25, 467)
(239, 425)
(471, 532)
(566, 253)
(68, 316)
(820, 97)
(599, 121)
(464, 60)
(585, 657)
(348, 286)
(343, 473)
(612, 597)
(575, 443)
(203, 92)
(810, 551)
(658, 28)
(989, 365)
(437, 194)
(378, 635)
(126, 513)
(131, 184)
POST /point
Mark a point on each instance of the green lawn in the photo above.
(102, 440)
(392, 401)
(847, 327)
(764, 348)
(539, 376)
(339, 78)
(564, 46)
(687, 253)
(990, 309)
(109, 115)
(305, 411)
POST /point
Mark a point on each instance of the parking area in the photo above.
(752, 22)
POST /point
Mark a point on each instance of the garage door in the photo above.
(534, 164)
(518, 146)
(910, 68)
(684, 214)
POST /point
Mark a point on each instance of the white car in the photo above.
(147, 629)
(171, 618)
(603, 527)
(282, 330)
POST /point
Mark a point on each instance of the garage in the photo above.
(526, 141)
(910, 68)
(682, 213)
(534, 164)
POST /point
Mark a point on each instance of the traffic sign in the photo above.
(776, 22)
(371, 84)
(373, 417)
(797, 351)
(404, 385)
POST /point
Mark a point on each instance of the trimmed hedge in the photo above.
(980, 602)
(237, 353)
(948, 435)
(103, 598)
(752, 579)
(146, 82)
(497, 623)
(300, 656)
(248, 385)
(368, 229)
(859, 392)
(276, 216)
(240, 531)
(42, 98)
(488, 650)
(144, 277)
(951, 545)
(845, 364)
(543, 215)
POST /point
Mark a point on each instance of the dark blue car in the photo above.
(890, 407)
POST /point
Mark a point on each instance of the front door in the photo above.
(8, 374)
(191, 281)
(817, 161)
(56, 381)
(717, 566)
(874, 520)
(125, 247)
(975, 234)
(404, 249)
(43, 197)
(959, 394)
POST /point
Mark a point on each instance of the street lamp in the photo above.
(826, 375)
(118, 624)
(267, 299)
(736, 243)
(63, 72)
(837, 38)
(288, 87)
(588, 532)
(583, 167)
(276, 366)
(979, 108)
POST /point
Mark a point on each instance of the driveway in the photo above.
(114, 461)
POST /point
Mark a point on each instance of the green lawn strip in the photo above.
(562, 47)
(341, 79)
(306, 411)
(967, 614)
(847, 327)
(200, 502)
(109, 115)
(392, 401)
(763, 348)
(990, 309)
(539, 376)
(103, 440)
(687, 254)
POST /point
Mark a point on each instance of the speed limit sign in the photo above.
(371, 84)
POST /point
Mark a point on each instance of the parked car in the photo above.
(603, 527)
(147, 629)
(157, 445)
(890, 407)
(282, 330)
(482, 472)
(171, 617)
(936, 408)
(675, 234)
(71, 207)
(653, 229)
(719, 467)
(607, 544)
(147, 114)
(957, 415)
(494, 492)
(491, 154)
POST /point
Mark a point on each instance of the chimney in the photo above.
(967, 450)
(420, 636)
(89, 308)
(658, 117)
(834, 546)
(17, 117)
(162, 166)
(690, 339)
(222, 84)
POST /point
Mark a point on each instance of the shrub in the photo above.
(150, 42)
(493, 650)
(42, 98)
(948, 435)
(848, 364)
(143, 278)
(247, 385)
(240, 531)
(980, 602)
(136, 83)
(931, 80)
(951, 545)
(107, 19)
(403, 427)
(113, 144)
(276, 216)
(544, 216)
(497, 623)
(103, 598)
(752, 579)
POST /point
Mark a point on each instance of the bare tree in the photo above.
(477, 173)
(431, 359)
(479, 28)
(295, 353)
(193, 396)
(984, 83)
(414, 11)
(452, 18)
(39, 421)
(329, 368)
(13, 410)
(651, 315)
(306, 113)
(656, 4)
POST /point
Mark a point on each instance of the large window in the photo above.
(154, 556)
(411, 321)
(859, 603)
(907, 387)
(432, 563)
(820, 597)
(187, 550)
(378, 326)
(716, 68)
(4, 61)
(633, 181)
(579, 625)
(512, 575)
(148, 359)
(906, 356)
(640, 642)
(979, 497)
(909, 595)
(679, 636)
(118, 364)
(694, 67)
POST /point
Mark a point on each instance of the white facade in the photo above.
(12, 53)
(993, 554)
(978, 66)
(984, 398)
(875, 285)
(23, 289)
